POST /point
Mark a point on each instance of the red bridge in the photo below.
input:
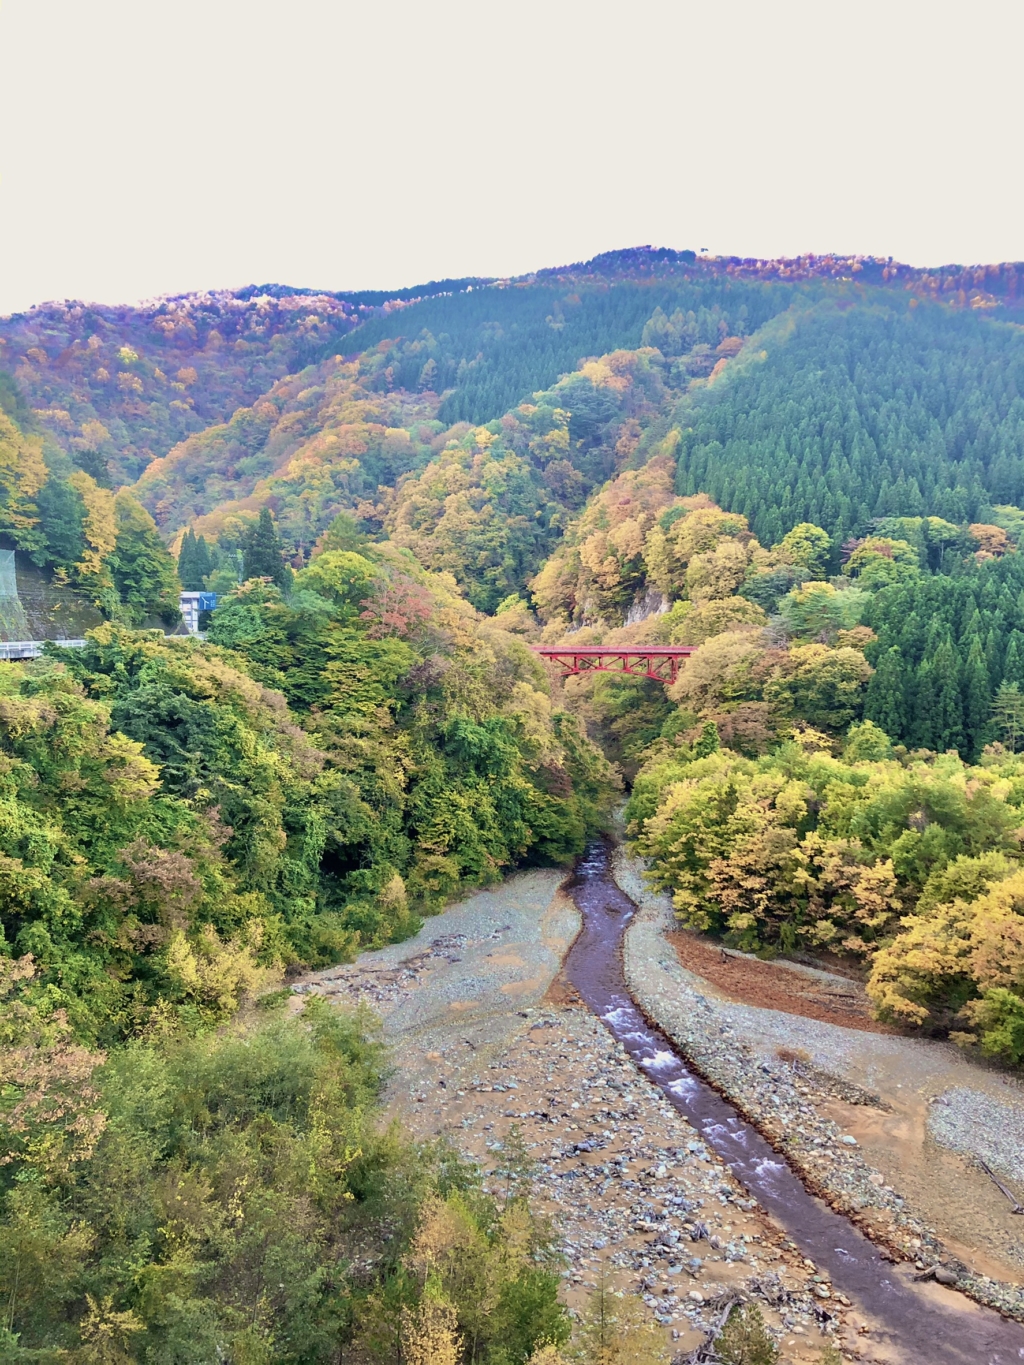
(641, 661)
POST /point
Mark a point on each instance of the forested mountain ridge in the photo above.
(119, 386)
(787, 391)
(315, 443)
(831, 407)
(977, 286)
(345, 434)
(864, 412)
(827, 413)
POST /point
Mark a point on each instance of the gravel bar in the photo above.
(464, 985)
(737, 1048)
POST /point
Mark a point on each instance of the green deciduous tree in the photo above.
(824, 687)
(809, 546)
(817, 611)
(61, 523)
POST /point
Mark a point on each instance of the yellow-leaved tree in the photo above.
(100, 527)
(599, 567)
(22, 475)
(699, 551)
(430, 1335)
(966, 953)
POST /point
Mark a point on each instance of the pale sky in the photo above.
(148, 147)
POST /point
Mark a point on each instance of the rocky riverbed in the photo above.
(491, 1047)
(888, 1129)
(636, 1196)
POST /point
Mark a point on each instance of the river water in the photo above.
(956, 1332)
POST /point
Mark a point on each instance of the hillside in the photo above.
(924, 419)
(809, 472)
(117, 387)
(810, 469)
(469, 420)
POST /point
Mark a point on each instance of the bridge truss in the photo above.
(661, 662)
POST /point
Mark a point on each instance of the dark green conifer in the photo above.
(187, 570)
(976, 699)
(911, 634)
(194, 562)
(204, 561)
(948, 724)
(1013, 666)
(62, 522)
(708, 741)
(994, 642)
(1008, 715)
(886, 702)
(263, 552)
(922, 697)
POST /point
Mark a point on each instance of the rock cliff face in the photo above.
(649, 603)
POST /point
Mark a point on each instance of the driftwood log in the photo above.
(1014, 1206)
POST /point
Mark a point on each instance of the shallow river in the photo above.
(954, 1331)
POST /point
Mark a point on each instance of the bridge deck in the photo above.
(33, 649)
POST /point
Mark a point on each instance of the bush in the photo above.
(745, 1340)
(195, 1199)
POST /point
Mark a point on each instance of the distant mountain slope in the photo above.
(999, 285)
(830, 389)
(118, 386)
(488, 349)
(315, 443)
(862, 405)
(342, 433)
